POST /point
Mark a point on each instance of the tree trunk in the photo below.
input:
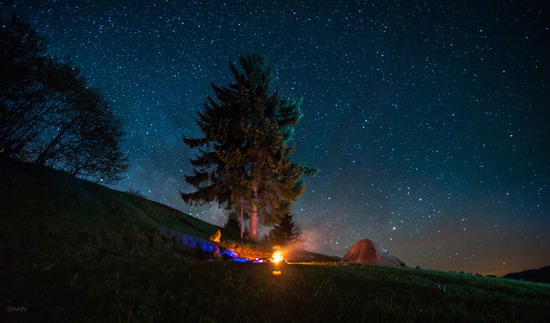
(254, 214)
(253, 221)
(241, 222)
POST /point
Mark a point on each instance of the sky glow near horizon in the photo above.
(430, 123)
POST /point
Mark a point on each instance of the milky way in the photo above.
(430, 123)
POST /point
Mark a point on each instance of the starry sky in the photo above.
(429, 120)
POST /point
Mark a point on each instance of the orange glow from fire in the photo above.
(277, 257)
(277, 273)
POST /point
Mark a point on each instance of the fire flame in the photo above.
(277, 257)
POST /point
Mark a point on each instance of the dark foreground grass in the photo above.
(77, 255)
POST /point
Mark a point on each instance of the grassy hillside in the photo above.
(71, 250)
(30, 190)
(41, 199)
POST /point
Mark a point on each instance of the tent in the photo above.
(368, 252)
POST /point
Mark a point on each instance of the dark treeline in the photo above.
(49, 115)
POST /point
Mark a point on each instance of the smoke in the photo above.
(309, 239)
(324, 236)
(291, 249)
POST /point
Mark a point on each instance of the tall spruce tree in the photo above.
(243, 161)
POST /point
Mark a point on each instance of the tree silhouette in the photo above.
(49, 114)
(243, 160)
(286, 231)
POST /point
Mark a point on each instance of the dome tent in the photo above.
(368, 252)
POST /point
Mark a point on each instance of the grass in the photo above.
(71, 250)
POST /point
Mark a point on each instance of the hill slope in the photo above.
(44, 198)
(541, 275)
(75, 251)
(45, 192)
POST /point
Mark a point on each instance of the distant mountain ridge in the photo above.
(541, 275)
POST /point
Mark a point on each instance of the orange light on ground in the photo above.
(277, 257)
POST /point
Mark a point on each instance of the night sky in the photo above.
(430, 123)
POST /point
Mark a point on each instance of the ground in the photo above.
(77, 251)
